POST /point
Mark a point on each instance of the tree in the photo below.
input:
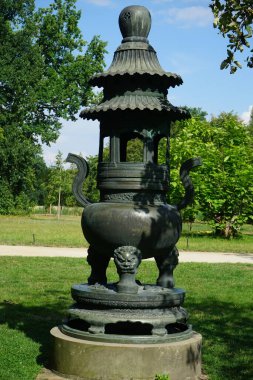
(59, 183)
(55, 183)
(42, 76)
(22, 173)
(223, 183)
(90, 185)
(250, 124)
(234, 19)
(43, 79)
(196, 113)
(69, 198)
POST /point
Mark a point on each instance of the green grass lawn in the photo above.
(49, 231)
(35, 293)
(42, 231)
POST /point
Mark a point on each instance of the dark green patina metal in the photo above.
(132, 221)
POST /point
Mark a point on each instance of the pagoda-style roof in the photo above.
(136, 59)
(135, 101)
(135, 81)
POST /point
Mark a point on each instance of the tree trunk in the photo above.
(59, 204)
(228, 231)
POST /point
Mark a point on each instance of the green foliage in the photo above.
(250, 125)
(45, 68)
(42, 76)
(197, 113)
(68, 197)
(23, 204)
(224, 182)
(22, 172)
(90, 184)
(7, 204)
(234, 19)
(58, 189)
(60, 181)
(134, 151)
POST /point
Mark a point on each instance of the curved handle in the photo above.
(83, 171)
(186, 181)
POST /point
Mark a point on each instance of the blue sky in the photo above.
(186, 43)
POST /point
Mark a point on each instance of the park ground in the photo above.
(35, 293)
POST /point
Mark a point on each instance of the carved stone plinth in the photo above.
(88, 360)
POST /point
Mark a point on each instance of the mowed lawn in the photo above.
(42, 231)
(45, 230)
(35, 294)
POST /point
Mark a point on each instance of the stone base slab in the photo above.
(46, 374)
(81, 359)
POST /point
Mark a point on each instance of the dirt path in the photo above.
(184, 256)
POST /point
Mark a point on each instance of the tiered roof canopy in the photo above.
(135, 80)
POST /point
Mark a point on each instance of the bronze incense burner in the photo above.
(132, 221)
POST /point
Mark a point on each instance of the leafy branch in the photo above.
(234, 19)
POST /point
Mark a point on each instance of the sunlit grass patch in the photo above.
(35, 294)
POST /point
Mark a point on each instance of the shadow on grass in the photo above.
(227, 331)
(35, 322)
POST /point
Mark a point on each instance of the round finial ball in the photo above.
(135, 21)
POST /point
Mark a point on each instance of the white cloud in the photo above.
(100, 3)
(188, 16)
(245, 116)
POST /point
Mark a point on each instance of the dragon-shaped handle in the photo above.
(186, 181)
(83, 171)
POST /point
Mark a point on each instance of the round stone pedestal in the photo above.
(82, 359)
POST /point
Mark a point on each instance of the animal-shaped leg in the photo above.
(99, 264)
(166, 263)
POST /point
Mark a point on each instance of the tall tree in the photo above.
(55, 183)
(42, 76)
(45, 67)
(223, 183)
(234, 19)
